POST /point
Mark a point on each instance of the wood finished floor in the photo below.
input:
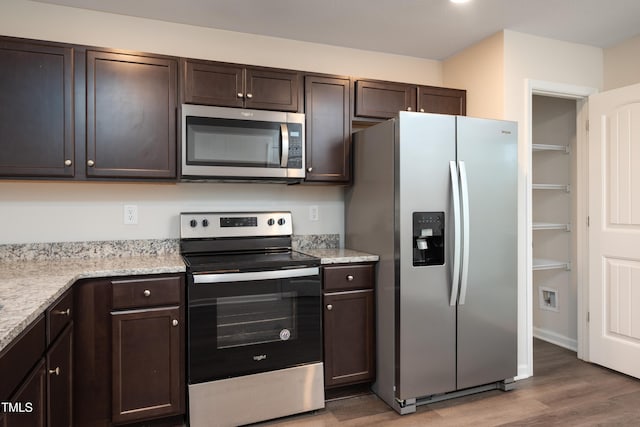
(564, 391)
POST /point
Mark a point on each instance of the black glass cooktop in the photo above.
(241, 262)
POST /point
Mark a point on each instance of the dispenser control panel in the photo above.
(428, 238)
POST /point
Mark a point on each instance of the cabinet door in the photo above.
(36, 110)
(328, 129)
(442, 100)
(348, 337)
(29, 401)
(209, 83)
(383, 100)
(60, 380)
(131, 116)
(147, 378)
(272, 90)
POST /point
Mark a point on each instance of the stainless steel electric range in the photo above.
(254, 346)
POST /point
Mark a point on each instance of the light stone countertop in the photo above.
(28, 288)
(340, 256)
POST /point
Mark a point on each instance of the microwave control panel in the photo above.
(295, 145)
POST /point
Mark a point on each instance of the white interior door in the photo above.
(614, 232)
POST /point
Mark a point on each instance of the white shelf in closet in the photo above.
(549, 147)
(550, 226)
(550, 264)
(562, 187)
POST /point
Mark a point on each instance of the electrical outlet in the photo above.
(314, 214)
(130, 214)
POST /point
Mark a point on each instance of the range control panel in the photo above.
(202, 225)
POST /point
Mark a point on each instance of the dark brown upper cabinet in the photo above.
(131, 115)
(442, 100)
(328, 128)
(231, 85)
(36, 109)
(383, 100)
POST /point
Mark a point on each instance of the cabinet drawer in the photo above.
(146, 292)
(348, 277)
(59, 316)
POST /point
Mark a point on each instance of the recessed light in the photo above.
(459, 1)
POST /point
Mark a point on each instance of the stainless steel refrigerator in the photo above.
(435, 197)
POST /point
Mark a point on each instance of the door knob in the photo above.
(329, 307)
(54, 371)
(174, 322)
(249, 95)
(90, 163)
(349, 278)
(240, 95)
(66, 312)
(67, 162)
(146, 293)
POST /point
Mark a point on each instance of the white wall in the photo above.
(536, 58)
(52, 211)
(480, 70)
(622, 64)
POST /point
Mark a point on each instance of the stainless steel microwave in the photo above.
(237, 144)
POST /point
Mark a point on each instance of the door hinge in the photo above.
(587, 125)
(588, 221)
(588, 317)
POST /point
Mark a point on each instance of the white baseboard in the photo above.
(555, 338)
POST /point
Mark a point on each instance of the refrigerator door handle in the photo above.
(464, 189)
(455, 197)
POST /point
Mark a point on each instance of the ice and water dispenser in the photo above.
(428, 238)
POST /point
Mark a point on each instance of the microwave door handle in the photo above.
(284, 157)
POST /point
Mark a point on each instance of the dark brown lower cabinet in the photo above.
(29, 401)
(60, 380)
(349, 337)
(146, 364)
(129, 353)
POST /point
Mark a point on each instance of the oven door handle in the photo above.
(254, 275)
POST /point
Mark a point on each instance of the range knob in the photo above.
(193, 223)
(271, 221)
(205, 222)
(281, 221)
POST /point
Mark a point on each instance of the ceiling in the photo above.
(434, 29)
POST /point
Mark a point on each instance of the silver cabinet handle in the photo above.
(409, 109)
(147, 293)
(54, 371)
(422, 110)
(68, 162)
(90, 163)
(349, 278)
(329, 307)
(209, 278)
(66, 312)
(249, 95)
(174, 322)
(309, 169)
(240, 95)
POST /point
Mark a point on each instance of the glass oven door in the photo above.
(245, 323)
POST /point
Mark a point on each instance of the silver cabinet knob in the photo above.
(54, 371)
(309, 169)
(90, 163)
(68, 162)
(329, 307)
(422, 110)
(349, 278)
(240, 95)
(249, 95)
(66, 312)
(174, 322)
(147, 293)
(409, 109)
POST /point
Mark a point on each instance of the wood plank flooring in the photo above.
(564, 391)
